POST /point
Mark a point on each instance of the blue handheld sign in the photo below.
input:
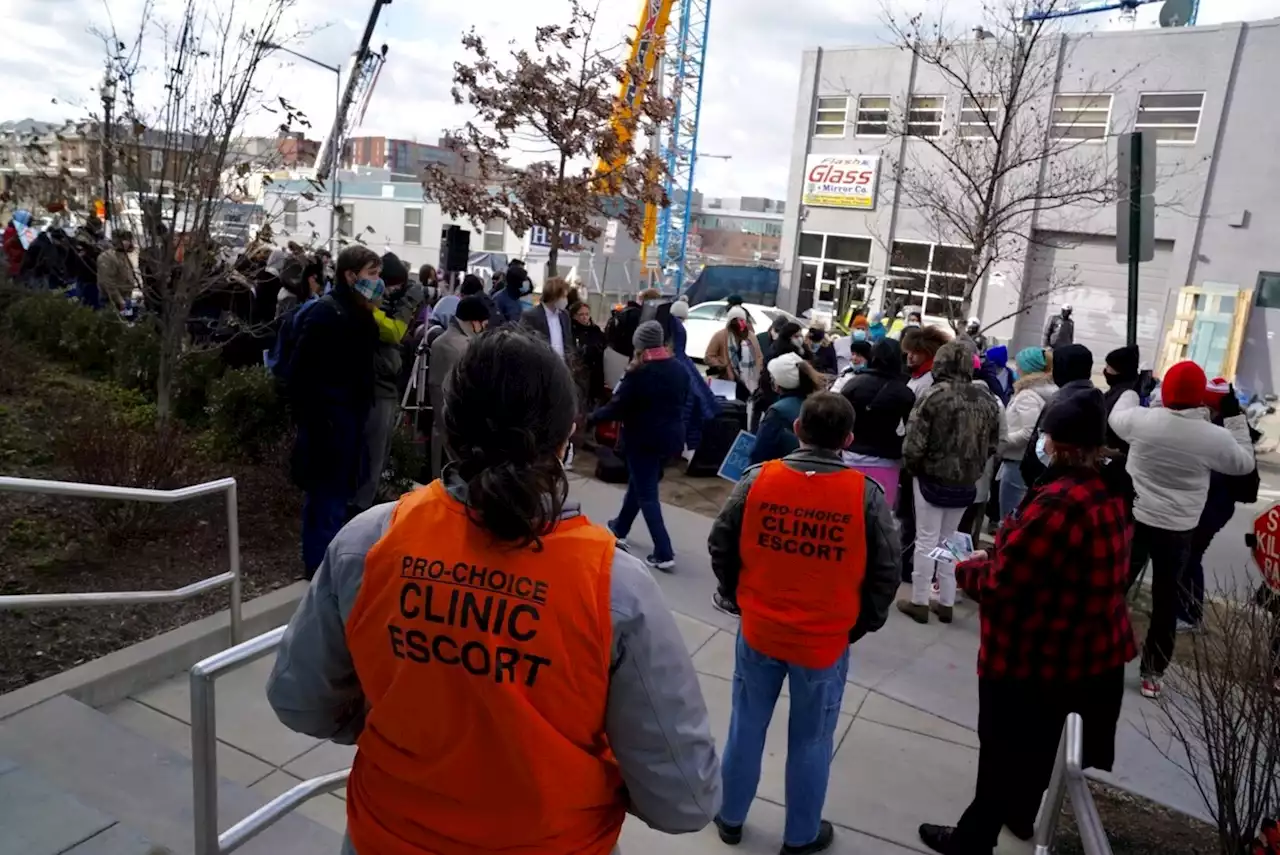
(738, 458)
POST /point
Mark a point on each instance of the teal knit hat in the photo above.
(1031, 360)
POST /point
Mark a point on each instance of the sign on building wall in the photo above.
(841, 181)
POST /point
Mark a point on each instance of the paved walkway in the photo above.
(907, 750)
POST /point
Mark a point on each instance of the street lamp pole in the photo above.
(108, 93)
(334, 134)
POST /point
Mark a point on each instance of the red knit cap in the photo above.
(1183, 386)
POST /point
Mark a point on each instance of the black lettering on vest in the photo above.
(405, 564)
(435, 569)
(535, 662)
(453, 607)
(478, 616)
(460, 572)
(397, 640)
(476, 579)
(500, 618)
(472, 668)
(417, 641)
(523, 587)
(438, 642)
(540, 593)
(497, 580)
(419, 568)
(769, 523)
(836, 534)
(505, 659)
(511, 581)
(513, 630)
(407, 610)
(428, 601)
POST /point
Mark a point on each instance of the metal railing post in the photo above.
(1054, 798)
(204, 762)
(233, 549)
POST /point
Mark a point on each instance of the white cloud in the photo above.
(749, 97)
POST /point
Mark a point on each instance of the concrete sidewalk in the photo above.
(906, 746)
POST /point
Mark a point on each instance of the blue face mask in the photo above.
(1041, 453)
(859, 335)
(814, 345)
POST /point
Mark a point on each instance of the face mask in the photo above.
(1041, 453)
(798, 343)
(1112, 379)
(814, 346)
(859, 335)
(371, 289)
(561, 304)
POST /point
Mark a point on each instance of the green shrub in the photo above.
(39, 318)
(195, 373)
(129, 406)
(89, 340)
(246, 415)
(137, 363)
(406, 463)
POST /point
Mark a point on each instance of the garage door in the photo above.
(1098, 295)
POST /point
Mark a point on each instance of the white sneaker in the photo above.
(666, 565)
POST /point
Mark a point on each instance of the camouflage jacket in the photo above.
(955, 425)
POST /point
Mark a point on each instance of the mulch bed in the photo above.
(54, 544)
(1136, 826)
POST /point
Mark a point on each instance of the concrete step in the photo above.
(83, 776)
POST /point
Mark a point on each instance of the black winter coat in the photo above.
(881, 403)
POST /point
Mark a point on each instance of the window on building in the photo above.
(924, 116)
(831, 254)
(1172, 117)
(931, 276)
(346, 220)
(832, 115)
(413, 225)
(495, 235)
(1267, 294)
(978, 116)
(873, 116)
(1081, 117)
(291, 215)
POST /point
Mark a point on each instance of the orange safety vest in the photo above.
(804, 555)
(486, 674)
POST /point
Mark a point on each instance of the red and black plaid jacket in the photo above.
(1053, 593)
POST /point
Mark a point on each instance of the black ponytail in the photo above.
(509, 408)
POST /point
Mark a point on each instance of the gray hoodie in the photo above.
(656, 719)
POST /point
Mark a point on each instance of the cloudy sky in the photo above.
(53, 61)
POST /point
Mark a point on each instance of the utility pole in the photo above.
(1135, 214)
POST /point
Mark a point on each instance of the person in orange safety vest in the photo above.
(806, 551)
(514, 683)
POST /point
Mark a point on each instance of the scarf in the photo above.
(655, 354)
(922, 369)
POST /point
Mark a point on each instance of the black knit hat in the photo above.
(861, 348)
(472, 308)
(1071, 362)
(1077, 416)
(1124, 361)
(394, 273)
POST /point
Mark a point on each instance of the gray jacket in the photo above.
(446, 352)
(655, 719)
(884, 558)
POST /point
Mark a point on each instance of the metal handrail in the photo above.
(231, 578)
(1068, 781)
(204, 755)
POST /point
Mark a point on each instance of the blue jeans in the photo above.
(323, 515)
(1012, 488)
(1217, 512)
(643, 471)
(815, 708)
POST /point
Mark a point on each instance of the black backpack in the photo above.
(280, 358)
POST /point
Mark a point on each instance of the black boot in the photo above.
(937, 837)
(826, 835)
(729, 834)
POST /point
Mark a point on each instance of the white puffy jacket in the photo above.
(1030, 395)
(1171, 453)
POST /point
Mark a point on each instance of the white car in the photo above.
(706, 319)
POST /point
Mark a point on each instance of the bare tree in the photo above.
(1223, 716)
(185, 90)
(558, 103)
(979, 182)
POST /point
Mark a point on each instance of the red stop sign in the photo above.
(1266, 529)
